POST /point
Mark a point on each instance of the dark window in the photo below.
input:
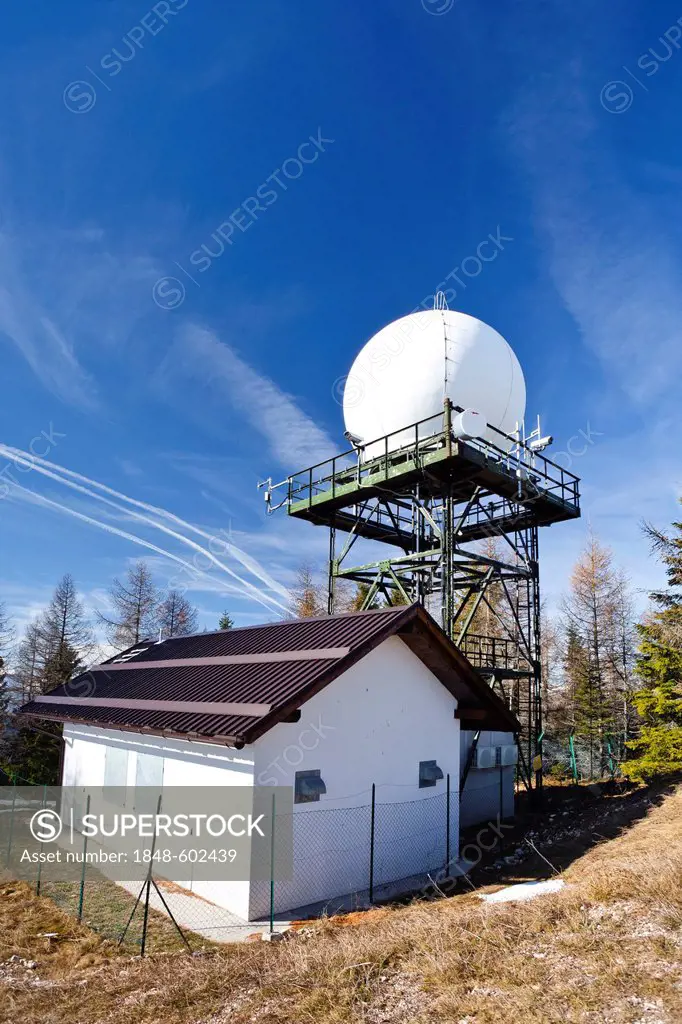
(429, 773)
(308, 786)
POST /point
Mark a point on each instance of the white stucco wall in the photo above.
(374, 724)
(183, 763)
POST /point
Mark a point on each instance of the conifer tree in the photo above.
(562, 666)
(63, 663)
(357, 601)
(65, 638)
(658, 701)
(32, 754)
(589, 712)
(225, 621)
(398, 599)
(623, 662)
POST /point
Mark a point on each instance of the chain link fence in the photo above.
(344, 858)
(582, 759)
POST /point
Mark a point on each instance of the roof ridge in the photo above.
(277, 678)
(294, 618)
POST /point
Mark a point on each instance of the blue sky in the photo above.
(131, 133)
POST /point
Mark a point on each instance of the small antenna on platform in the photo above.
(267, 484)
(536, 441)
(441, 303)
(269, 487)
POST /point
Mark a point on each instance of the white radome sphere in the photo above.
(404, 373)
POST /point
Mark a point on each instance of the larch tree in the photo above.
(175, 616)
(28, 662)
(658, 701)
(623, 659)
(589, 614)
(6, 632)
(6, 638)
(554, 697)
(135, 604)
(307, 599)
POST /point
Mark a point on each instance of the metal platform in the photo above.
(437, 461)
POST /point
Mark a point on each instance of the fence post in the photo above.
(574, 763)
(39, 862)
(447, 822)
(81, 894)
(371, 845)
(145, 919)
(11, 821)
(272, 868)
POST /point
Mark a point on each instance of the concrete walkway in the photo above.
(197, 915)
(219, 925)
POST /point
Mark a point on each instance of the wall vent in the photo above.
(510, 754)
(485, 757)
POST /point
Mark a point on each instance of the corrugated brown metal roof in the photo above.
(287, 635)
(285, 685)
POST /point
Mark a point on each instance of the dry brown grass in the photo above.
(606, 949)
(24, 918)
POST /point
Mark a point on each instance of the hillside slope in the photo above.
(608, 948)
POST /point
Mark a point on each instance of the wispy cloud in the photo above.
(616, 267)
(66, 295)
(48, 352)
(615, 270)
(198, 354)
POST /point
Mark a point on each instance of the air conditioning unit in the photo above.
(510, 754)
(485, 757)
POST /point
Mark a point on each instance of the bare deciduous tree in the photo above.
(135, 602)
(176, 616)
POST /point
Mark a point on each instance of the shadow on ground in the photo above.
(544, 839)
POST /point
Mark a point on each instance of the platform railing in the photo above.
(493, 652)
(534, 472)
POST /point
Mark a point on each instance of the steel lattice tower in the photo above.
(459, 519)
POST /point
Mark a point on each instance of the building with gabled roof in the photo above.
(349, 709)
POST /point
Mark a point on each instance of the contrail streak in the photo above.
(246, 560)
(250, 591)
(113, 529)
